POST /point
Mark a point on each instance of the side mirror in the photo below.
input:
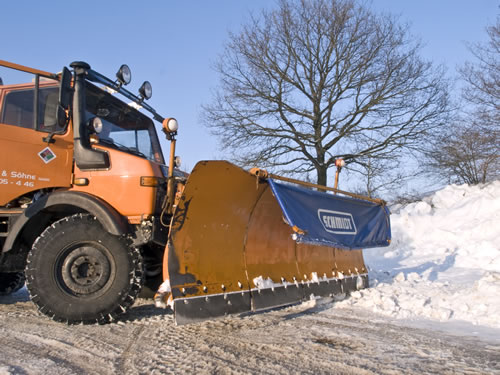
(65, 89)
(65, 92)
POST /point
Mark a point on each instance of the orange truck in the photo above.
(90, 211)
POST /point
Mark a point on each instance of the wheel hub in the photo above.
(85, 270)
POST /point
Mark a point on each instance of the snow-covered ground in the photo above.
(443, 266)
(444, 261)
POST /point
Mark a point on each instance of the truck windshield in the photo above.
(124, 127)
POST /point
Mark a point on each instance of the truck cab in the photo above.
(84, 206)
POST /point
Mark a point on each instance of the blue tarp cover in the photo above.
(333, 220)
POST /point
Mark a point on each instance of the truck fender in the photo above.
(109, 218)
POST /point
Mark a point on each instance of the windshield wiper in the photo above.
(135, 152)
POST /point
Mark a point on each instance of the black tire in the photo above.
(11, 282)
(77, 272)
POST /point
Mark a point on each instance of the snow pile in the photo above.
(444, 261)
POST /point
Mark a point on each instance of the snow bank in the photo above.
(444, 261)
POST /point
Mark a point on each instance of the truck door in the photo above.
(29, 160)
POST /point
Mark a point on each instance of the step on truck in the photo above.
(90, 212)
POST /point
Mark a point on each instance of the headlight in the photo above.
(170, 125)
(146, 91)
(96, 124)
(124, 75)
(177, 161)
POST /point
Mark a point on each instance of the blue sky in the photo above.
(173, 44)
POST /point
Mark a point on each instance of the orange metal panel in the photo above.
(350, 261)
(23, 169)
(315, 261)
(120, 185)
(270, 249)
(209, 228)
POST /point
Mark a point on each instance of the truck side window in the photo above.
(18, 109)
(47, 108)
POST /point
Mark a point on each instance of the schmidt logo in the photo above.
(337, 222)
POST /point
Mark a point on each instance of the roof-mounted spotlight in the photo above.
(145, 91)
(124, 75)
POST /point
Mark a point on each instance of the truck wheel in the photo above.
(10, 282)
(77, 272)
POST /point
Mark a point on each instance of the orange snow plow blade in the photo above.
(232, 251)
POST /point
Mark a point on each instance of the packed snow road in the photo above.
(308, 338)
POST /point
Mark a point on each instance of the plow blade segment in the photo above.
(205, 260)
(233, 248)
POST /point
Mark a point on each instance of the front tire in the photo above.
(77, 272)
(10, 282)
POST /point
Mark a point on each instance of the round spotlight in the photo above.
(96, 124)
(177, 161)
(170, 125)
(173, 125)
(124, 75)
(146, 91)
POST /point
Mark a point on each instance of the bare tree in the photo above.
(380, 176)
(482, 78)
(470, 152)
(314, 80)
(465, 154)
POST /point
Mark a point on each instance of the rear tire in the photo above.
(77, 272)
(11, 282)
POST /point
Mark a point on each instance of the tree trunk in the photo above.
(322, 175)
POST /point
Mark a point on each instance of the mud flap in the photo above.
(232, 249)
